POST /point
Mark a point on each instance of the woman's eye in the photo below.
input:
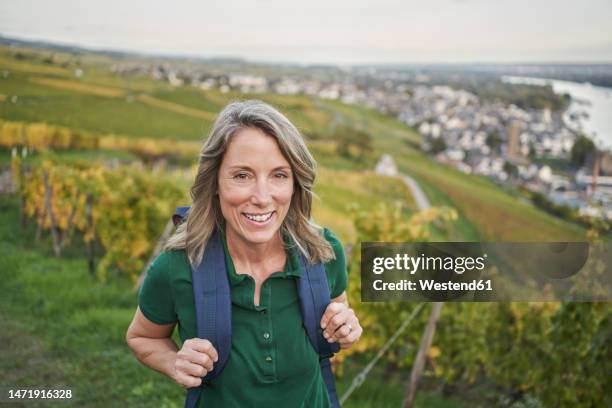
(241, 176)
(281, 175)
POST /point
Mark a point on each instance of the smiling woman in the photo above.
(253, 194)
(255, 188)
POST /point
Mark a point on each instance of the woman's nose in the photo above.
(261, 193)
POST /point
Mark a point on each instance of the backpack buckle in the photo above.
(326, 356)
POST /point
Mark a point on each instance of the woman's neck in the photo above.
(247, 253)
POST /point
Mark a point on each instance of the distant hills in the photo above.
(75, 49)
(595, 73)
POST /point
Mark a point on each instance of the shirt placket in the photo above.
(266, 333)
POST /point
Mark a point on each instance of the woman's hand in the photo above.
(193, 361)
(340, 324)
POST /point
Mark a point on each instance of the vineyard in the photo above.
(96, 166)
(525, 349)
(117, 209)
(43, 137)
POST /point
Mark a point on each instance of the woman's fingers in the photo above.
(194, 360)
(342, 331)
(332, 309)
(203, 346)
(192, 369)
(336, 321)
(351, 338)
(350, 326)
(188, 374)
(340, 324)
(201, 359)
(187, 381)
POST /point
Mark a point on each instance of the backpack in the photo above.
(213, 310)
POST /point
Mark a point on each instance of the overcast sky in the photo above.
(327, 31)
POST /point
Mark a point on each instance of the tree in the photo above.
(583, 146)
(493, 141)
(510, 169)
(437, 145)
(349, 139)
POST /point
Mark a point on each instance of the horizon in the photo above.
(340, 33)
(46, 43)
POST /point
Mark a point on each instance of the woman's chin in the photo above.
(259, 235)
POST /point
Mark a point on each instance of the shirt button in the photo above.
(266, 335)
(269, 359)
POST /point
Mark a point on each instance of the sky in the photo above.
(326, 31)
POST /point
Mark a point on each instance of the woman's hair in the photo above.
(205, 214)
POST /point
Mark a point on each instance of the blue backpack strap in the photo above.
(213, 308)
(330, 381)
(179, 215)
(313, 292)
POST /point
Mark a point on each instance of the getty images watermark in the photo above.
(477, 271)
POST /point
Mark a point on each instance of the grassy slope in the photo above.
(79, 105)
(54, 95)
(64, 328)
(100, 114)
(497, 214)
(339, 190)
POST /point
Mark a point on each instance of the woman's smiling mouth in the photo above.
(259, 219)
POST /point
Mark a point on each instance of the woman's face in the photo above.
(255, 186)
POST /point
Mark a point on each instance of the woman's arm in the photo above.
(151, 343)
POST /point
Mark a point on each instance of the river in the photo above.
(590, 110)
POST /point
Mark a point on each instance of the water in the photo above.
(592, 105)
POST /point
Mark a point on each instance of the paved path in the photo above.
(386, 165)
(417, 192)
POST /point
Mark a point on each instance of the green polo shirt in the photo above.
(271, 361)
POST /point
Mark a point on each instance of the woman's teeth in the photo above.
(259, 217)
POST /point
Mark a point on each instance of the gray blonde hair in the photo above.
(205, 214)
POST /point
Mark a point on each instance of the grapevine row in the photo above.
(123, 210)
(42, 136)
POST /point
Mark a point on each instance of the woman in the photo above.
(254, 187)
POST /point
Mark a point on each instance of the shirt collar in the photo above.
(292, 265)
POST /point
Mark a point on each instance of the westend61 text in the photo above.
(429, 284)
